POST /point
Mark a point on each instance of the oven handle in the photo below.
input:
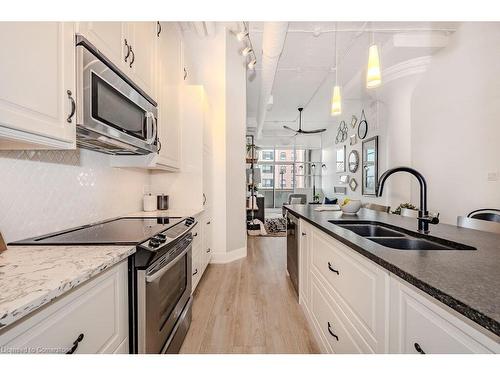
(161, 272)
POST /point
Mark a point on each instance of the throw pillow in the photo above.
(330, 201)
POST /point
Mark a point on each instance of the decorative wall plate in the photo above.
(353, 139)
(353, 184)
(342, 132)
(354, 121)
(344, 179)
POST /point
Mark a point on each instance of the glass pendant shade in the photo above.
(373, 77)
(336, 102)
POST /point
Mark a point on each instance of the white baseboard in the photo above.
(219, 258)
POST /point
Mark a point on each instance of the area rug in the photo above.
(276, 227)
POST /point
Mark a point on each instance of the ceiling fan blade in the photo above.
(313, 131)
(288, 128)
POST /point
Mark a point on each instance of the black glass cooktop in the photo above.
(127, 231)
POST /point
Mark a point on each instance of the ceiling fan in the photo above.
(300, 131)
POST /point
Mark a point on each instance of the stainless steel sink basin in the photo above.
(370, 230)
(410, 244)
(398, 238)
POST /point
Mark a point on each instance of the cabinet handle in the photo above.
(73, 106)
(195, 271)
(133, 56)
(418, 348)
(332, 269)
(185, 74)
(159, 145)
(195, 235)
(209, 250)
(158, 28)
(208, 222)
(303, 233)
(204, 199)
(128, 50)
(331, 333)
(75, 344)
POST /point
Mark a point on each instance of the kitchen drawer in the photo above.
(328, 323)
(419, 325)
(197, 271)
(359, 287)
(197, 236)
(98, 309)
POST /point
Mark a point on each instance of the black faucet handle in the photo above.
(430, 219)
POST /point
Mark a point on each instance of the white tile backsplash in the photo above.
(46, 191)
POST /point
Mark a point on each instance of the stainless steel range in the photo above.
(159, 274)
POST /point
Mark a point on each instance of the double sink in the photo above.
(398, 238)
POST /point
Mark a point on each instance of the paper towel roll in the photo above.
(150, 202)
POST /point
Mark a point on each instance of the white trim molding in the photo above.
(406, 68)
(228, 257)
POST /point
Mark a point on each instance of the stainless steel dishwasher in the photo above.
(292, 250)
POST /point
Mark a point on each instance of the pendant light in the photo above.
(336, 97)
(373, 76)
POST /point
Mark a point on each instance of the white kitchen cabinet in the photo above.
(97, 311)
(419, 325)
(111, 39)
(169, 79)
(202, 243)
(207, 239)
(37, 75)
(143, 38)
(305, 233)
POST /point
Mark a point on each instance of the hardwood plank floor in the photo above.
(249, 306)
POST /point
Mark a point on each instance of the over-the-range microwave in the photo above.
(113, 114)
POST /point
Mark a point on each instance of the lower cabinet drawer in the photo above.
(196, 268)
(96, 314)
(420, 326)
(331, 329)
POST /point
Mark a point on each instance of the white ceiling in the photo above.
(306, 73)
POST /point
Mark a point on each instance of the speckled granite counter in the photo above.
(466, 281)
(32, 276)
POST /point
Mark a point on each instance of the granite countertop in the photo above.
(468, 281)
(165, 213)
(32, 276)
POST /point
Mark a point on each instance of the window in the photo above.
(267, 155)
(282, 155)
(267, 182)
(267, 168)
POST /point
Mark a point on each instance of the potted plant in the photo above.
(408, 205)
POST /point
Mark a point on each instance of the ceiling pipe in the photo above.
(273, 41)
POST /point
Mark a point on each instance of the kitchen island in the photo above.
(467, 282)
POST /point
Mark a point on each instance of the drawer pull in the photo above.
(332, 269)
(331, 333)
(418, 348)
(303, 233)
(75, 344)
(195, 271)
(195, 235)
(209, 250)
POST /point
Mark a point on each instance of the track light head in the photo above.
(246, 51)
(251, 64)
(241, 35)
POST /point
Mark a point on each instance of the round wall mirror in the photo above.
(362, 129)
(353, 161)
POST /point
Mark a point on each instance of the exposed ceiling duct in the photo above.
(273, 41)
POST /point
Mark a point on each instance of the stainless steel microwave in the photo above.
(113, 114)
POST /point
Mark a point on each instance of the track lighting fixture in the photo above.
(251, 64)
(246, 51)
(241, 35)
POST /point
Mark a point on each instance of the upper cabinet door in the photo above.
(143, 37)
(37, 75)
(110, 38)
(169, 78)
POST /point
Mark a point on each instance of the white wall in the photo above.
(455, 123)
(47, 191)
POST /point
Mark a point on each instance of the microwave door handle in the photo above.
(161, 272)
(150, 115)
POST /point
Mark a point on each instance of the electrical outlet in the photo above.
(492, 176)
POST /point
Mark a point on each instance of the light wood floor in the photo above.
(249, 306)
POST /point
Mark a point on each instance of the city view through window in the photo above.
(283, 171)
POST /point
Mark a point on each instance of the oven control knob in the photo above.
(160, 239)
(153, 243)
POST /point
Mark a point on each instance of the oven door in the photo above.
(163, 291)
(110, 105)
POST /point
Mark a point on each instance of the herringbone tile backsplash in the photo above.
(46, 191)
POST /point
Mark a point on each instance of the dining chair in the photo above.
(487, 214)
